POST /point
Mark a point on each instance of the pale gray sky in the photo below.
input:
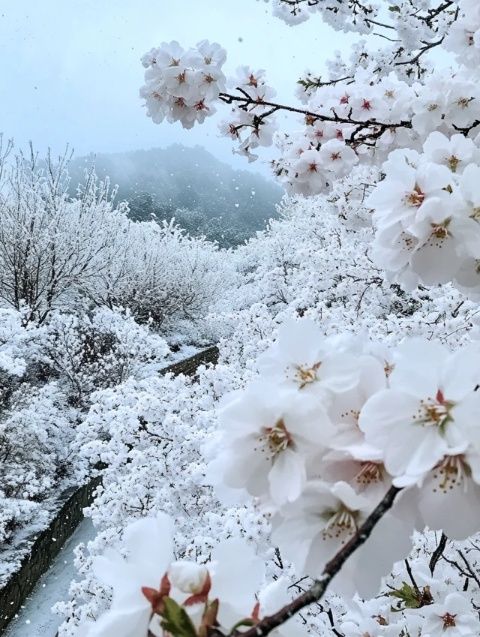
(70, 69)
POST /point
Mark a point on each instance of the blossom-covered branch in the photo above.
(332, 568)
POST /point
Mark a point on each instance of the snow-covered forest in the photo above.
(323, 477)
(204, 196)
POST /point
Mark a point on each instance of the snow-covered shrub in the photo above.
(36, 432)
(162, 275)
(48, 373)
(97, 349)
(56, 250)
(15, 345)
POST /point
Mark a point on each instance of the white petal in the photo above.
(237, 574)
(124, 622)
(287, 476)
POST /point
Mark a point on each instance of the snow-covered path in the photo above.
(36, 619)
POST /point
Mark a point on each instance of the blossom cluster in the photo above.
(371, 115)
(182, 85)
(251, 124)
(155, 594)
(427, 214)
(463, 38)
(365, 109)
(330, 424)
(340, 16)
(424, 601)
(310, 163)
(344, 122)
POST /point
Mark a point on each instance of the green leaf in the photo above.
(394, 8)
(176, 620)
(407, 595)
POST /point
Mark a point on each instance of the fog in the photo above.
(70, 70)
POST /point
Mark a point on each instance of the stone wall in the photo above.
(189, 366)
(46, 546)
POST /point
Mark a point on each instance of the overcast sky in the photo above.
(70, 69)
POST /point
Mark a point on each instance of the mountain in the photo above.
(204, 195)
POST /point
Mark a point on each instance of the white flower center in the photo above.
(448, 620)
(440, 230)
(277, 438)
(340, 523)
(464, 102)
(475, 214)
(304, 375)
(453, 162)
(182, 77)
(450, 473)
(370, 473)
(434, 412)
(416, 197)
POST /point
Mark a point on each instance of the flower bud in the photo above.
(188, 577)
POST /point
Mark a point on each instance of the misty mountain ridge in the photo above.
(205, 195)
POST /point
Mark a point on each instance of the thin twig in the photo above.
(412, 579)
(470, 570)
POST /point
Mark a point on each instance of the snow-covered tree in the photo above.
(51, 246)
(56, 250)
(161, 274)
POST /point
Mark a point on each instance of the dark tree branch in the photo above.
(332, 624)
(248, 101)
(427, 46)
(438, 552)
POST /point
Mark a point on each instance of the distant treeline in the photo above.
(204, 195)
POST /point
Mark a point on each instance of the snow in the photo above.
(36, 618)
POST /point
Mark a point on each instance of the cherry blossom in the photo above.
(149, 543)
(452, 617)
(147, 577)
(427, 409)
(182, 85)
(267, 438)
(303, 358)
